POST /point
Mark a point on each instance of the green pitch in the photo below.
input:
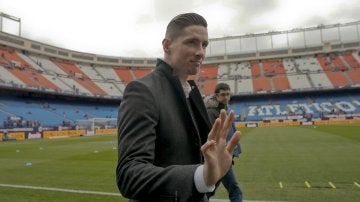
(286, 157)
(274, 166)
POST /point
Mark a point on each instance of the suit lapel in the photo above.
(195, 95)
(196, 98)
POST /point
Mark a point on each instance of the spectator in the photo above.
(214, 105)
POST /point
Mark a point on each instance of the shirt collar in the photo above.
(187, 89)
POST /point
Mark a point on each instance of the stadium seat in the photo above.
(79, 76)
(125, 74)
(355, 76)
(140, 72)
(337, 79)
(349, 57)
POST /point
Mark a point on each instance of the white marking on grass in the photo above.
(60, 190)
(357, 184)
(90, 192)
(307, 184)
(281, 185)
(227, 200)
(332, 185)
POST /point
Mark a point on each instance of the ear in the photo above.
(166, 45)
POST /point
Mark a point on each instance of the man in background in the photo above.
(214, 105)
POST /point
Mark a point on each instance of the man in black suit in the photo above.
(167, 148)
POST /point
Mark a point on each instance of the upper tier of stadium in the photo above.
(322, 57)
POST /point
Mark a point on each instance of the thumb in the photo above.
(207, 145)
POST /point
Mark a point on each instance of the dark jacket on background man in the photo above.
(213, 108)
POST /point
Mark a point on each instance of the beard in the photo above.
(193, 70)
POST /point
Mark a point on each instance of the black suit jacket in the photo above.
(159, 145)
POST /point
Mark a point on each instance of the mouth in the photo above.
(197, 62)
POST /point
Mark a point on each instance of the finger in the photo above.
(207, 145)
(214, 130)
(233, 141)
(222, 117)
(227, 124)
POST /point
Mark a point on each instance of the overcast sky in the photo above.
(135, 28)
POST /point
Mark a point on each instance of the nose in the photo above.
(200, 51)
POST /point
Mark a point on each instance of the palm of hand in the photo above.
(217, 152)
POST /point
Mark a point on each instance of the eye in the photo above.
(192, 42)
(205, 44)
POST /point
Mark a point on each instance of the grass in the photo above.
(81, 163)
(291, 155)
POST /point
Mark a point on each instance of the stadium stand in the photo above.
(208, 78)
(281, 83)
(300, 107)
(299, 82)
(261, 84)
(46, 86)
(337, 79)
(289, 65)
(308, 64)
(99, 80)
(320, 80)
(73, 71)
(355, 76)
(305, 72)
(125, 74)
(110, 75)
(324, 63)
(273, 67)
(140, 72)
(255, 69)
(350, 59)
(24, 71)
(49, 112)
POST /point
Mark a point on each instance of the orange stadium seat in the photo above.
(337, 78)
(208, 72)
(273, 67)
(138, 72)
(281, 83)
(255, 69)
(355, 76)
(261, 84)
(349, 58)
(324, 63)
(25, 72)
(209, 87)
(338, 63)
(72, 70)
(124, 74)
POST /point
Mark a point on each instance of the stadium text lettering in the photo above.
(304, 108)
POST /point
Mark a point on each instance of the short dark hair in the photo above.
(179, 22)
(221, 86)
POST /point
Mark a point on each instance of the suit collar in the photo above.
(196, 98)
(194, 94)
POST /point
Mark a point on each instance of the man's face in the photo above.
(187, 51)
(223, 96)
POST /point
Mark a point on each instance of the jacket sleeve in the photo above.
(137, 176)
(213, 115)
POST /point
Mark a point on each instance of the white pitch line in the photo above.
(61, 190)
(227, 200)
(90, 192)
